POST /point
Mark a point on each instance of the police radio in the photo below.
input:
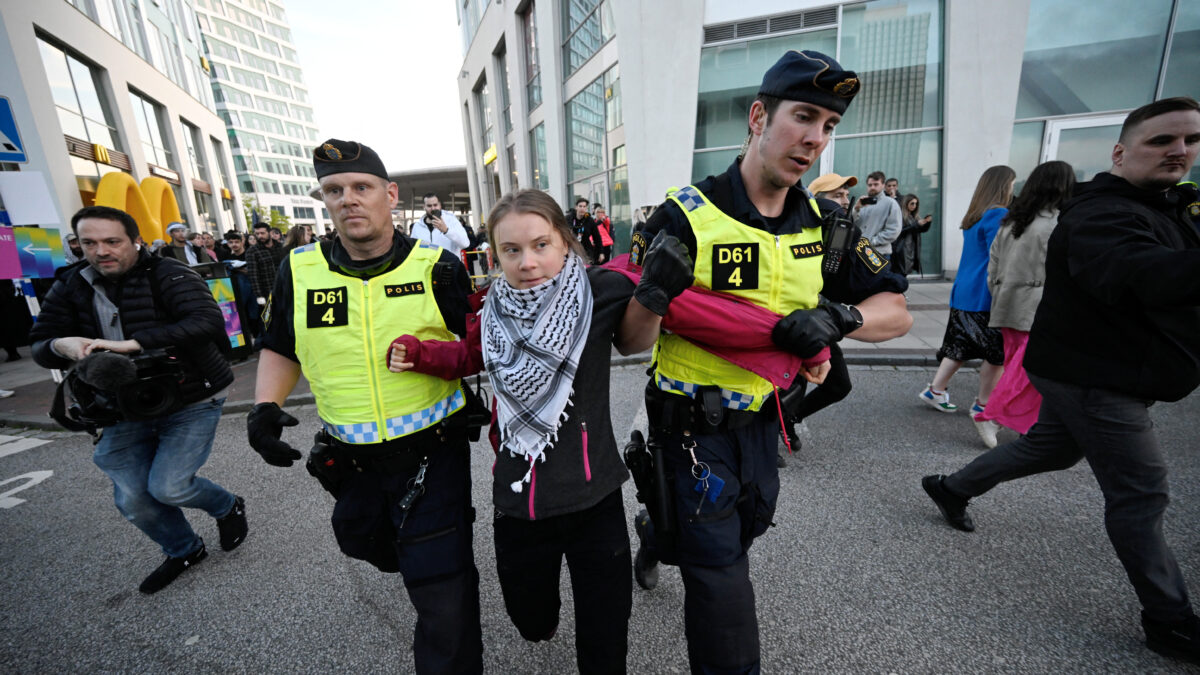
(839, 238)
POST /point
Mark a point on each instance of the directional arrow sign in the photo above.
(39, 251)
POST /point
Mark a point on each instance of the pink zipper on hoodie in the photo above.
(532, 485)
(587, 466)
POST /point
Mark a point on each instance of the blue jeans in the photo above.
(153, 467)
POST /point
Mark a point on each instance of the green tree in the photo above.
(271, 217)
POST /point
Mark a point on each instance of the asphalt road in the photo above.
(860, 575)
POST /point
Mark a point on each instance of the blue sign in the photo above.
(11, 147)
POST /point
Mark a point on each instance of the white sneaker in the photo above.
(938, 401)
(5, 393)
(987, 431)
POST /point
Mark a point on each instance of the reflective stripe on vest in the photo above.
(343, 327)
(778, 272)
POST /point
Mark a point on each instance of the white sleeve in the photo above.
(455, 231)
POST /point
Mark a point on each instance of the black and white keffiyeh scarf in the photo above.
(532, 339)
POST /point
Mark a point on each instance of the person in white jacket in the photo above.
(440, 228)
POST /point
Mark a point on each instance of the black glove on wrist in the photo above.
(666, 272)
(805, 332)
(264, 425)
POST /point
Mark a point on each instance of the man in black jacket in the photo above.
(585, 230)
(180, 248)
(1115, 331)
(124, 300)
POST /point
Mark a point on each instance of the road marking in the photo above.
(33, 477)
(11, 445)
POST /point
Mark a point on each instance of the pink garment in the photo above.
(729, 327)
(1014, 402)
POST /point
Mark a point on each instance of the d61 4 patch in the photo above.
(327, 307)
(734, 267)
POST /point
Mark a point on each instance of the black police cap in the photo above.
(811, 77)
(337, 156)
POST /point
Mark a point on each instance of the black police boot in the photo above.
(170, 570)
(645, 565)
(232, 525)
(1176, 639)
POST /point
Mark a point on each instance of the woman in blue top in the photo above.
(967, 333)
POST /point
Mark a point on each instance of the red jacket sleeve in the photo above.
(445, 359)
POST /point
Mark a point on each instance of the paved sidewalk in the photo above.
(927, 301)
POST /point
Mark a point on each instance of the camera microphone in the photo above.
(106, 371)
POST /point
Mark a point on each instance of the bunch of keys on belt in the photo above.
(708, 484)
(416, 488)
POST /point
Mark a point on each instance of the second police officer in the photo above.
(393, 446)
(755, 235)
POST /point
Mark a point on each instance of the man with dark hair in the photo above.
(262, 261)
(753, 234)
(181, 248)
(891, 188)
(440, 228)
(878, 215)
(234, 255)
(1123, 289)
(125, 301)
(395, 444)
(585, 229)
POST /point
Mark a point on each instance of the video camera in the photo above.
(106, 388)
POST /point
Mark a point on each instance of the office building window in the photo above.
(1092, 57)
(612, 99)
(588, 25)
(912, 158)
(585, 132)
(537, 145)
(533, 72)
(195, 151)
(895, 47)
(505, 106)
(152, 131)
(1183, 61)
(75, 86)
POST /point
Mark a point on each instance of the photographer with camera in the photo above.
(878, 215)
(122, 300)
(440, 228)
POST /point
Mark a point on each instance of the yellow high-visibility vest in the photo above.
(343, 326)
(779, 272)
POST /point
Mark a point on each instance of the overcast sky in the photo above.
(384, 72)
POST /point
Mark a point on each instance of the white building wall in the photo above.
(26, 86)
(660, 82)
(984, 46)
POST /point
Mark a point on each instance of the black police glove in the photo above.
(666, 272)
(805, 332)
(264, 425)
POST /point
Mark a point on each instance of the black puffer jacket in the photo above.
(1121, 305)
(185, 317)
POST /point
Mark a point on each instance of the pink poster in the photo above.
(10, 262)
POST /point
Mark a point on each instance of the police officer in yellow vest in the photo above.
(393, 446)
(754, 234)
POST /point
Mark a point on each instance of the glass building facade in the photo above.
(1058, 89)
(1078, 84)
(894, 124)
(260, 92)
